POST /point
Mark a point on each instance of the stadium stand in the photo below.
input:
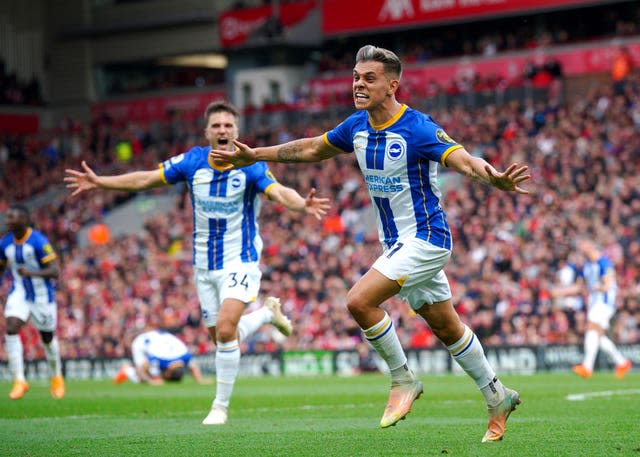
(111, 291)
(584, 152)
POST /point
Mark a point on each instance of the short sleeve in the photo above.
(261, 176)
(341, 136)
(606, 266)
(432, 142)
(44, 251)
(174, 169)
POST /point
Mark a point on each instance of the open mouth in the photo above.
(359, 96)
(223, 141)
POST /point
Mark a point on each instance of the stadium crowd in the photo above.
(508, 34)
(510, 252)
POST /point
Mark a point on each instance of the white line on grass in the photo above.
(604, 393)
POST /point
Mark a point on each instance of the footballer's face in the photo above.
(371, 86)
(221, 130)
(16, 221)
(589, 249)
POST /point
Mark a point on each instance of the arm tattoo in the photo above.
(290, 152)
(473, 174)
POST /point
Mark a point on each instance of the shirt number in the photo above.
(394, 250)
(242, 282)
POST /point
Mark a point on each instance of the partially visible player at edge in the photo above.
(398, 150)
(598, 279)
(226, 241)
(33, 265)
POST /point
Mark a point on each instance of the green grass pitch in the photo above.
(561, 415)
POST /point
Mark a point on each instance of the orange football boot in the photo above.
(622, 369)
(18, 390)
(582, 371)
(57, 387)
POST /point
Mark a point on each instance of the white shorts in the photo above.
(600, 313)
(43, 314)
(418, 267)
(240, 281)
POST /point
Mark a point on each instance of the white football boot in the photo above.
(279, 321)
(217, 416)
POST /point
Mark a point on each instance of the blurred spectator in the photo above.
(621, 66)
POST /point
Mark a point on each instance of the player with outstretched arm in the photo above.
(399, 150)
(226, 239)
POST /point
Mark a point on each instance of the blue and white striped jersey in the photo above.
(399, 161)
(593, 273)
(159, 349)
(225, 207)
(32, 252)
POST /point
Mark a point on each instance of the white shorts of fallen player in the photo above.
(418, 266)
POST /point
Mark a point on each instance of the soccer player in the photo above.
(398, 150)
(598, 278)
(158, 356)
(226, 241)
(33, 265)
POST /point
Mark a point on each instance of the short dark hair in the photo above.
(391, 62)
(174, 373)
(220, 105)
(22, 209)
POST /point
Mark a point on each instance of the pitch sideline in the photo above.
(603, 393)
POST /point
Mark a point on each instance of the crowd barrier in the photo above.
(505, 360)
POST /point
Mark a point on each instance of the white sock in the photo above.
(251, 322)
(384, 339)
(227, 367)
(468, 353)
(16, 356)
(52, 353)
(132, 374)
(591, 343)
(611, 350)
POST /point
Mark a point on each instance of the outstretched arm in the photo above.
(294, 201)
(480, 170)
(305, 150)
(131, 182)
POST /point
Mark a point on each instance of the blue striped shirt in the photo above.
(399, 161)
(225, 207)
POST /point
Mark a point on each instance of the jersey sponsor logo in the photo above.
(217, 206)
(395, 150)
(384, 184)
(442, 137)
